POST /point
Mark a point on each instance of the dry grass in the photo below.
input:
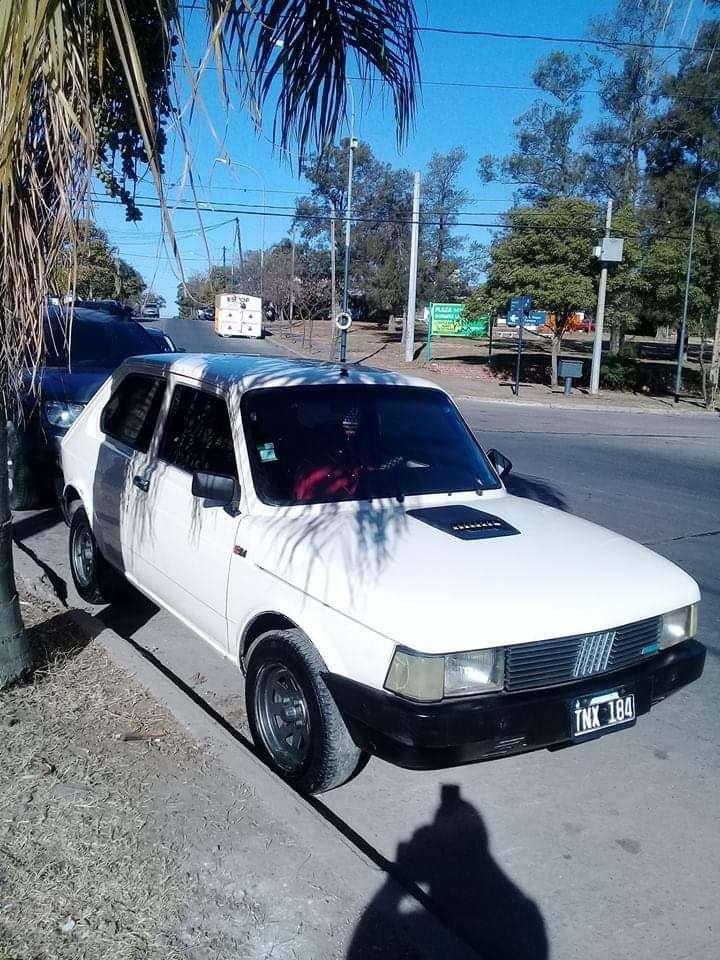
(82, 870)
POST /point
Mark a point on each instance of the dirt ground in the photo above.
(122, 839)
(464, 363)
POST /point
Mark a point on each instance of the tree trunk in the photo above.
(15, 654)
(714, 365)
(615, 340)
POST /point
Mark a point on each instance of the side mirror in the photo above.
(502, 465)
(214, 486)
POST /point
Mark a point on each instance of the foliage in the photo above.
(100, 274)
(441, 253)
(546, 163)
(628, 77)
(547, 254)
(628, 285)
(479, 303)
(619, 372)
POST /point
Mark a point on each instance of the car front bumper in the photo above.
(430, 736)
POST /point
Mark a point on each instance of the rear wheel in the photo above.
(95, 580)
(294, 720)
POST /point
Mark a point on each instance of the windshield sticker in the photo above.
(267, 452)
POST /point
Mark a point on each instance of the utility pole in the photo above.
(292, 278)
(239, 242)
(600, 316)
(223, 259)
(412, 283)
(333, 250)
(348, 212)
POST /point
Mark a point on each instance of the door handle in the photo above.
(142, 483)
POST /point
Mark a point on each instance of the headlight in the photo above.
(678, 625)
(62, 414)
(421, 677)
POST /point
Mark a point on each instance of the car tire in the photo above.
(317, 753)
(95, 580)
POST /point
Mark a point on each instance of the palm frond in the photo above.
(307, 45)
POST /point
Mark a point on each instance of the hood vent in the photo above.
(465, 523)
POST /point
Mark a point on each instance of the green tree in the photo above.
(442, 251)
(100, 273)
(84, 84)
(547, 162)
(547, 254)
(628, 77)
(628, 285)
(382, 207)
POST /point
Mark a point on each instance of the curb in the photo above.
(610, 408)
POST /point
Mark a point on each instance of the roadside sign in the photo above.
(519, 308)
(449, 320)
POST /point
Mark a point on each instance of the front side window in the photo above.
(197, 434)
(329, 443)
(131, 412)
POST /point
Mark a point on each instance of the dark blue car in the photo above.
(78, 360)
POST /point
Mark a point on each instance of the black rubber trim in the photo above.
(451, 732)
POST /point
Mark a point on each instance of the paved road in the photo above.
(607, 851)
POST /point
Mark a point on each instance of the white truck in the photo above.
(238, 315)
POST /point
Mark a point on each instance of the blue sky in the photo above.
(480, 118)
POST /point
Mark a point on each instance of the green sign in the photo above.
(448, 320)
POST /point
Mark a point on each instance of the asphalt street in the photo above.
(606, 850)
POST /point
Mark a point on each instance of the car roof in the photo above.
(245, 372)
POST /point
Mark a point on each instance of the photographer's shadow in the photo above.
(450, 861)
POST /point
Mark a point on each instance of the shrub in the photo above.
(620, 373)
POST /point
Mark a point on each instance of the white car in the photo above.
(341, 537)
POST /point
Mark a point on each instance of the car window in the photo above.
(95, 344)
(197, 433)
(131, 412)
(321, 444)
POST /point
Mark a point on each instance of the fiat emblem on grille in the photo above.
(593, 653)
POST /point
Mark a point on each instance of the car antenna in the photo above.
(344, 372)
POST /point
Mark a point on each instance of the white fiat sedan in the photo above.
(298, 516)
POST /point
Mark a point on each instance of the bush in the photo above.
(620, 373)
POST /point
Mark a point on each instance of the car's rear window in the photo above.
(320, 444)
(95, 344)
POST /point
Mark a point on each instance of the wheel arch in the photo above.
(262, 623)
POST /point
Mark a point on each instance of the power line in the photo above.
(500, 35)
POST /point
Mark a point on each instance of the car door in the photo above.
(182, 556)
(127, 424)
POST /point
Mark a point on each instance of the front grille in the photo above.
(549, 662)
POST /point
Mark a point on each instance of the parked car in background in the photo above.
(587, 325)
(206, 313)
(339, 535)
(99, 342)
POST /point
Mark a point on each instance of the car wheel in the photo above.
(95, 580)
(294, 720)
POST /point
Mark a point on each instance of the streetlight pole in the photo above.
(683, 321)
(236, 163)
(348, 211)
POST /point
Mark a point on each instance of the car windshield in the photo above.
(324, 444)
(97, 344)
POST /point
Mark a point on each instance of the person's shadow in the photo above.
(459, 882)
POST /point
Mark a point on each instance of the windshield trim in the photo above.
(286, 504)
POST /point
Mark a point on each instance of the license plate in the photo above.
(601, 712)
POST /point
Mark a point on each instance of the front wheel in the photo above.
(95, 580)
(294, 720)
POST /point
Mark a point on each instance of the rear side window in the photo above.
(131, 412)
(197, 433)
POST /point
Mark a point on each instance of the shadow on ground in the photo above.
(449, 866)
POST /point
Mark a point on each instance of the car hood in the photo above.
(427, 589)
(75, 387)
